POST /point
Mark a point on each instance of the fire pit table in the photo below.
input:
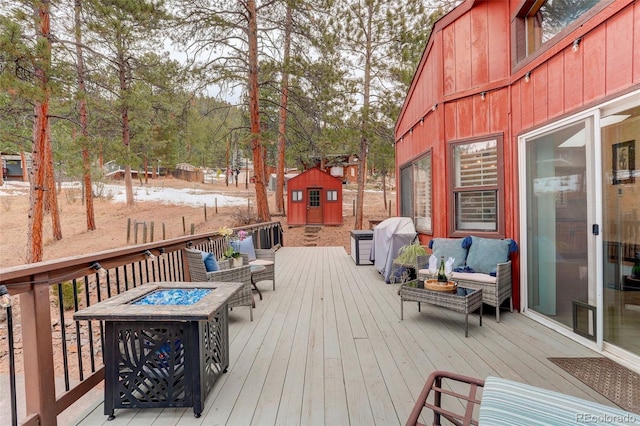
(165, 343)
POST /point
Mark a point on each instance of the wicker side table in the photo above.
(462, 304)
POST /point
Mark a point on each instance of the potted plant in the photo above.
(233, 256)
(408, 255)
(230, 252)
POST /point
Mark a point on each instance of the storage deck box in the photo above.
(361, 242)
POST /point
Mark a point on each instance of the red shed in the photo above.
(314, 197)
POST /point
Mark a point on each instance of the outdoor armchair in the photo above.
(198, 272)
(266, 258)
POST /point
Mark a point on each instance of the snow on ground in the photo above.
(187, 196)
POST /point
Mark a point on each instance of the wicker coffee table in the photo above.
(409, 292)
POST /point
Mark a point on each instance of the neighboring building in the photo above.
(13, 169)
(344, 167)
(272, 185)
(314, 197)
(522, 121)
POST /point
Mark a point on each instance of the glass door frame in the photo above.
(594, 216)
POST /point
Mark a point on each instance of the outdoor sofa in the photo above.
(480, 263)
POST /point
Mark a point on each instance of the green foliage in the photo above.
(70, 291)
(407, 255)
(173, 112)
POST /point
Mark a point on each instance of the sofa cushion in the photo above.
(450, 247)
(505, 402)
(261, 262)
(210, 263)
(246, 247)
(471, 276)
(486, 253)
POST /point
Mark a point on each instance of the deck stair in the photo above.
(311, 235)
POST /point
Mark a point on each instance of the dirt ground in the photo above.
(112, 218)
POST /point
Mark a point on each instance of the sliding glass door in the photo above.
(558, 195)
(620, 134)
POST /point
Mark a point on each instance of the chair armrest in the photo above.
(440, 383)
(503, 275)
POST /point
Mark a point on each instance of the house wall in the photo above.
(469, 52)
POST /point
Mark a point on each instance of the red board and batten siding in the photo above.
(470, 52)
(314, 178)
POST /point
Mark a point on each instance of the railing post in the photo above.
(38, 353)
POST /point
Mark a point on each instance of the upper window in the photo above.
(296, 195)
(544, 19)
(477, 186)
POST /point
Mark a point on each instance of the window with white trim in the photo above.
(415, 193)
(296, 195)
(332, 195)
(422, 182)
(477, 181)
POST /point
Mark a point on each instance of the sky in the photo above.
(187, 196)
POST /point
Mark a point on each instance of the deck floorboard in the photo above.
(328, 347)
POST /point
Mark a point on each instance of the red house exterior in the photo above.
(314, 197)
(518, 127)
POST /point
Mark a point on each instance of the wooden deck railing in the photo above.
(48, 293)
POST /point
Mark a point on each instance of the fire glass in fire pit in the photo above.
(174, 296)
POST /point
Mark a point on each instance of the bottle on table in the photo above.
(442, 277)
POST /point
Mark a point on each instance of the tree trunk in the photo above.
(254, 113)
(124, 117)
(40, 138)
(1, 174)
(384, 188)
(36, 195)
(284, 98)
(226, 162)
(128, 181)
(51, 196)
(128, 185)
(82, 107)
(364, 139)
(25, 169)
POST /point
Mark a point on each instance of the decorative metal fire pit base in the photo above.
(163, 355)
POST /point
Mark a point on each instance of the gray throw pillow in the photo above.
(450, 247)
(486, 253)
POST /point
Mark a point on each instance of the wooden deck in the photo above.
(328, 347)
